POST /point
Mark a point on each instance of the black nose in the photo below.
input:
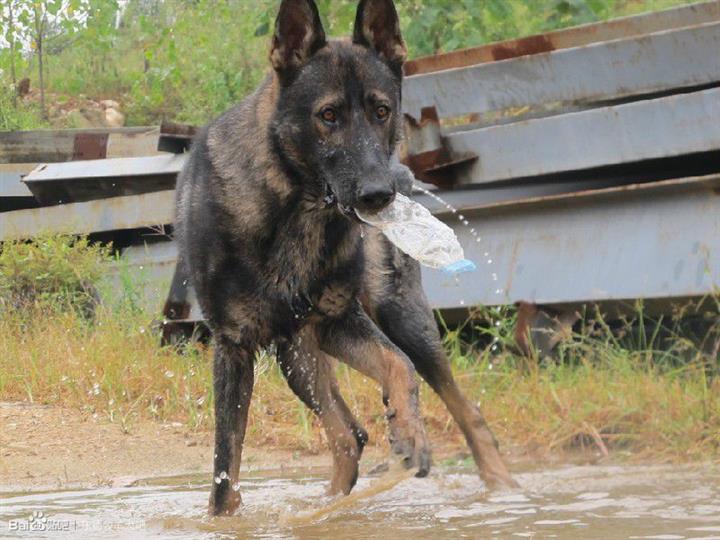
(375, 198)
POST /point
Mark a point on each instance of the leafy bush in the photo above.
(58, 271)
(19, 115)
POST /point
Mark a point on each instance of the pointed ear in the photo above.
(298, 35)
(377, 27)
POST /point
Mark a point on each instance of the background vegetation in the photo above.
(188, 61)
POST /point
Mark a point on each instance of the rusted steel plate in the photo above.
(79, 181)
(119, 213)
(658, 240)
(51, 146)
(659, 128)
(652, 63)
(90, 146)
(576, 36)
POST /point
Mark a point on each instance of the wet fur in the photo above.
(275, 262)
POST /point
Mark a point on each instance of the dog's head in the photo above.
(338, 116)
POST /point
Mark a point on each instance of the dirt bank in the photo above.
(44, 447)
(48, 447)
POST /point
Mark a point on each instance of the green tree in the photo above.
(40, 20)
(9, 12)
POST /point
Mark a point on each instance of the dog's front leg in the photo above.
(354, 339)
(233, 383)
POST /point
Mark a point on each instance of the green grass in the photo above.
(20, 115)
(645, 390)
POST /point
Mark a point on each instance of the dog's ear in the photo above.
(298, 35)
(377, 26)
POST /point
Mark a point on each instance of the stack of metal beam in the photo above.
(586, 160)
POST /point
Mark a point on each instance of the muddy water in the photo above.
(564, 503)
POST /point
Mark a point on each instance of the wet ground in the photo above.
(608, 502)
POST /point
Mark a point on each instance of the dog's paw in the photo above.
(413, 449)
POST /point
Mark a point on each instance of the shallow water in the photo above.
(613, 502)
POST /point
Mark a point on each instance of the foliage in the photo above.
(189, 61)
(36, 22)
(20, 115)
(57, 272)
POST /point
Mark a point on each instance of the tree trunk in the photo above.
(41, 76)
(39, 34)
(13, 76)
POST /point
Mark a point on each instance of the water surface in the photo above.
(608, 502)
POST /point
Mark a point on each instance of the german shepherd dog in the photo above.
(266, 225)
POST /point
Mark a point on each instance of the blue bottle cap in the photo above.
(460, 267)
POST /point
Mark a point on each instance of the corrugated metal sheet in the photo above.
(651, 63)
(78, 181)
(658, 240)
(132, 212)
(49, 146)
(658, 128)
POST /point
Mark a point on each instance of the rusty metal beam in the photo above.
(576, 36)
(660, 128)
(653, 241)
(119, 213)
(51, 146)
(176, 138)
(667, 60)
(79, 181)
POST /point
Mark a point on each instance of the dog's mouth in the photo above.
(331, 200)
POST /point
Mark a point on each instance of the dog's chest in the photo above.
(322, 265)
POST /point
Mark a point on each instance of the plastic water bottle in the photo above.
(419, 234)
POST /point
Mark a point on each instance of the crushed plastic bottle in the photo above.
(419, 234)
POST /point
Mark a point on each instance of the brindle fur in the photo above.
(265, 232)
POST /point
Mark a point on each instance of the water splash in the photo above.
(464, 221)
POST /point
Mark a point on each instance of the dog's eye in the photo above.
(382, 112)
(328, 115)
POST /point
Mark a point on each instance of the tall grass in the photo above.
(613, 388)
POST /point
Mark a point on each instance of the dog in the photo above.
(268, 234)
